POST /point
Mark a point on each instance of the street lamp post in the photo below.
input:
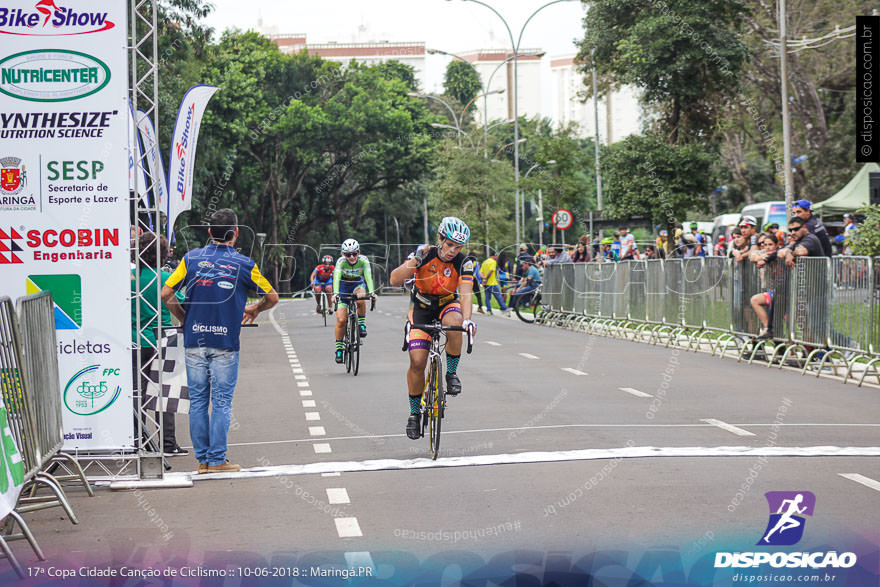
(515, 45)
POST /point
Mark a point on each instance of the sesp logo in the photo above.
(786, 524)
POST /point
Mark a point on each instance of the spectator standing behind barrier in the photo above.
(627, 245)
(557, 255)
(477, 281)
(802, 209)
(739, 247)
(217, 279)
(581, 254)
(849, 231)
(803, 242)
(748, 226)
(772, 273)
(489, 275)
(151, 323)
(721, 247)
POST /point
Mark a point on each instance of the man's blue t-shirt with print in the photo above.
(217, 279)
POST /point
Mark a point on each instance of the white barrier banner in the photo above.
(64, 210)
(183, 150)
(11, 465)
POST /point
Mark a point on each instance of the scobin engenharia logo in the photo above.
(786, 528)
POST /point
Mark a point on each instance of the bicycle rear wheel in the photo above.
(435, 409)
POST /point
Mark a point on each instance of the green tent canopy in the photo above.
(853, 196)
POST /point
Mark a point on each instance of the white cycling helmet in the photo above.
(454, 229)
(350, 246)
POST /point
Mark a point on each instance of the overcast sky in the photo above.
(448, 25)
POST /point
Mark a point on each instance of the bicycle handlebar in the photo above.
(437, 327)
(350, 298)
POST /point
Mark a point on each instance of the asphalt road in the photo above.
(560, 443)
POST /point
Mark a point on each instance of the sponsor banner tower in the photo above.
(64, 183)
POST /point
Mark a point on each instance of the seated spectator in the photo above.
(530, 281)
(581, 253)
(771, 275)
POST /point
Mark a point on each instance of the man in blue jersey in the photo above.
(217, 279)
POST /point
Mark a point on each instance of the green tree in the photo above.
(865, 240)
(461, 81)
(475, 189)
(685, 56)
(643, 175)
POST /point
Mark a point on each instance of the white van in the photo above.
(723, 225)
(767, 213)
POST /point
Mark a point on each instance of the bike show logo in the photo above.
(66, 295)
(786, 528)
(90, 390)
(49, 19)
(13, 182)
(52, 75)
(786, 525)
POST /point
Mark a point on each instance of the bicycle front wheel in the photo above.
(325, 307)
(348, 346)
(356, 349)
(435, 409)
(527, 310)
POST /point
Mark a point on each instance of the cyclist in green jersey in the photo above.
(351, 275)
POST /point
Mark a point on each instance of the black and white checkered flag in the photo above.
(175, 393)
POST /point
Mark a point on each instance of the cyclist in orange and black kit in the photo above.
(322, 282)
(442, 274)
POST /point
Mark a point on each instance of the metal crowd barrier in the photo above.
(820, 308)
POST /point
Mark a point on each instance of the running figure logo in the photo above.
(786, 525)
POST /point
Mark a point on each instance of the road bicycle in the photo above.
(529, 307)
(434, 395)
(351, 344)
(324, 305)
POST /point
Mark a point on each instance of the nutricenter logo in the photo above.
(48, 19)
(52, 75)
(786, 528)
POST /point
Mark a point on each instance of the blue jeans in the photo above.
(494, 290)
(211, 376)
(516, 298)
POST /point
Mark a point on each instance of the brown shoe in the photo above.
(203, 468)
(226, 467)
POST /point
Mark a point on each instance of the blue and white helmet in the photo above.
(454, 229)
(350, 246)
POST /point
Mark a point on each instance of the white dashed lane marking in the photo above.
(348, 528)
(729, 427)
(322, 448)
(573, 371)
(313, 416)
(337, 495)
(635, 392)
(528, 356)
(305, 392)
(317, 431)
(308, 403)
(866, 481)
(493, 343)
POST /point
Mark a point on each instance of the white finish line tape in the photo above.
(545, 457)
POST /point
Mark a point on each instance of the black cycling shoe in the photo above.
(339, 358)
(363, 328)
(414, 426)
(453, 384)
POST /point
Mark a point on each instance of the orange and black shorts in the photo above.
(420, 313)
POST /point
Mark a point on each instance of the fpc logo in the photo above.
(786, 524)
